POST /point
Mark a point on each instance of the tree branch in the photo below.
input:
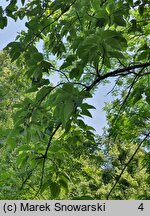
(129, 161)
(128, 94)
(59, 71)
(45, 157)
(116, 73)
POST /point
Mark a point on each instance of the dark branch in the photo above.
(116, 73)
(50, 139)
(27, 178)
(128, 94)
(45, 157)
(59, 71)
(129, 161)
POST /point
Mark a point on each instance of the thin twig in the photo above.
(113, 86)
(130, 89)
(126, 98)
(129, 161)
(26, 179)
(63, 73)
(81, 84)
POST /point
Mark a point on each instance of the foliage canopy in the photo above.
(47, 149)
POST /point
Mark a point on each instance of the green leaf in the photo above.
(68, 87)
(143, 55)
(141, 9)
(101, 22)
(105, 34)
(119, 20)
(20, 159)
(1, 11)
(68, 126)
(90, 135)
(3, 22)
(23, 1)
(28, 135)
(81, 124)
(85, 94)
(15, 56)
(38, 57)
(32, 89)
(63, 183)
(115, 54)
(107, 62)
(86, 113)
(45, 186)
(46, 65)
(67, 111)
(68, 62)
(147, 93)
(11, 141)
(114, 43)
(122, 41)
(65, 65)
(144, 47)
(66, 176)
(95, 4)
(43, 92)
(74, 73)
(11, 8)
(15, 49)
(87, 106)
(137, 97)
(55, 189)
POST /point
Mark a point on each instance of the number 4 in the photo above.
(141, 207)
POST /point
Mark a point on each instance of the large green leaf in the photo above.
(67, 110)
(115, 54)
(119, 20)
(43, 92)
(86, 112)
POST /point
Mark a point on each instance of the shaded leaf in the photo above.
(55, 189)
(86, 113)
(115, 54)
(67, 111)
(3, 22)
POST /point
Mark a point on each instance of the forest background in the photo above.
(49, 150)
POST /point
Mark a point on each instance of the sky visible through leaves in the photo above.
(98, 121)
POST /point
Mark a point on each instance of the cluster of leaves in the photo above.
(50, 151)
